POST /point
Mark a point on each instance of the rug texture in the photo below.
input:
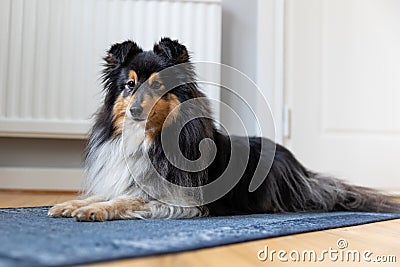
(29, 238)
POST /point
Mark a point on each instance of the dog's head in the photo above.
(138, 90)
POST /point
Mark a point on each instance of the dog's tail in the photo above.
(341, 196)
(306, 191)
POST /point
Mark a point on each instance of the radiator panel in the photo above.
(51, 55)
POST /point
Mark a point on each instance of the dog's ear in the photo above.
(120, 52)
(172, 50)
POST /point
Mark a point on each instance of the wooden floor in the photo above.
(381, 239)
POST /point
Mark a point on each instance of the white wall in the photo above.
(36, 163)
(37, 152)
(239, 50)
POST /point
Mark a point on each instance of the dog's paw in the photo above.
(62, 210)
(92, 213)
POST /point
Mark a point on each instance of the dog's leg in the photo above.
(132, 208)
(156, 209)
(119, 208)
(65, 209)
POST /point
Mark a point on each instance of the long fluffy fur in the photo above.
(114, 166)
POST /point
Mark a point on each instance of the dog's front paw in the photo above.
(92, 213)
(62, 210)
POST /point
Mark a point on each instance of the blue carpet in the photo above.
(29, 238)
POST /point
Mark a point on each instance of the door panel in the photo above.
(343, 88)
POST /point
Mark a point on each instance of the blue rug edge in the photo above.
(232, 243)
(218, 243)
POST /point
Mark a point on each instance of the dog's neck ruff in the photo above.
(113, 166)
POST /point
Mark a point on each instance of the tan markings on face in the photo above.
(119, 112)
(153, 79)
(183, 57)
(133, 75)
(159, 112)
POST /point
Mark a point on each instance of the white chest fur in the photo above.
(112, 168)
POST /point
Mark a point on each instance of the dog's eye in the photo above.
(156, 85)
(131, 84)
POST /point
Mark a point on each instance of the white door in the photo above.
(342, 84)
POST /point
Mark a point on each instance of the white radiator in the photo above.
(51, 50)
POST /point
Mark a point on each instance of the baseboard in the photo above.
(64, 179)
(40, 191)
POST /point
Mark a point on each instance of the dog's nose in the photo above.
(136, 111)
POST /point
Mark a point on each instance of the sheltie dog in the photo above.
(129, 174)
